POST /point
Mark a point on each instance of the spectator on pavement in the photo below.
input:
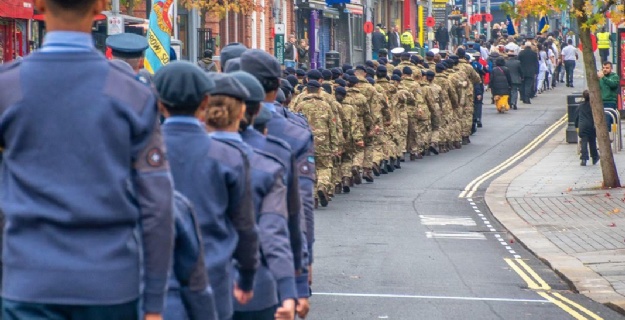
(516, 78)
(378, 41)
(442, 36)
(290, 50)
(529, 66)
(407, 41)
(569, 56)
(603, 43)
(609, 85)
(500, 85)
(586, 130)
(303, 54)
(394, 40)
(207, 64)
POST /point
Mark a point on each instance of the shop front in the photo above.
(14, 29)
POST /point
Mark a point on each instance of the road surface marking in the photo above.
(530, 282)
(473, 186)
(455, 235)
(367, 295)
(562, 306)
(576, 305)
(440, 220)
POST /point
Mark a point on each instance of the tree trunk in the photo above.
(608, 167)
(131, 7)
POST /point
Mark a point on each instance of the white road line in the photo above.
(497, 236)
(455, 235)
(368, 295)
(492, 230)
(440, 220)
(517, 257)
(478, 211)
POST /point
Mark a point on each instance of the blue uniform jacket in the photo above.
(215, 177)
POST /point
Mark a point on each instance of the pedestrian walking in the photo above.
(88, 205)
(542, 69)
(501, 85)
(516, 78)
(609, 85)
(586, 130)
(206, 63)
(529, 67)
(603, 43)
(442, 36)
(569, 56)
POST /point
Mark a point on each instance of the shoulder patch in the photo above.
(155, 157)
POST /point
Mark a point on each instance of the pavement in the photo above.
(559, 212)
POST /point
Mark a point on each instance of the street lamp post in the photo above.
(430, 29)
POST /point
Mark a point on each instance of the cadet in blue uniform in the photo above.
(215, 177)
(267, 70)
(81, 185)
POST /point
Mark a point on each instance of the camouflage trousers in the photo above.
(391, 146)
(412, 140)
(348, 161)
(323, 167)
(425, 135)
(467, 121)
(402, 135)
(455, 128)
(336, 170)
(436, 136)
(375, 152)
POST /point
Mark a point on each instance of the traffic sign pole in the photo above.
(278, 42)
(430, 28)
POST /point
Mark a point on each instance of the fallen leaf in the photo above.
(616, 210)
(612, 225)
(569, 189)
(607, 195)
(511, 240)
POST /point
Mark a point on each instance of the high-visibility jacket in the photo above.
(406, 39)
(384, 33)
(603, 40)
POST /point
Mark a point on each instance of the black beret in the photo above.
(227, 85)
(361, 67)
(346, 67)
(382, 69)
(397, 72)
(396, 78)
(414, 59)
(232, 65)
(426, 65)
(341, 82)
(257, 92)
(430, 73)
(440, 67)
(383, 51)
(407, 70)
(264, 115)
(327, 74)
(353, 79)
(292, 80)
(350, 72)
(304, 67)
(231, 51)
(454, 57)
(285, 84)
(430, 54)
(280, 97)
(460, 52)
(340, 90)
(127, 45)
(382, 60)
(337, 71)
(370, 64)
(405, 55)
(182, 84)
(290, 70)
(300, 73)
(314, 75)
(370, 71)
(260, 64)
(371, 81)
(314, 84)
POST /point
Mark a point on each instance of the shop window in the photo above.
(357, 31)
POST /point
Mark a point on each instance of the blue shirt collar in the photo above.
(184, 119)
(224, 135)
(67, 41)
(270, 106)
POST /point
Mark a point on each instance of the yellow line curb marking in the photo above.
(578, 306)
(562, 306)
(472, 187)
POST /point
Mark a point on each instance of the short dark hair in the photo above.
(269, 84)
(586, 95)
(570, 41)
(208, 53)
(607, 62)
(181, 110)
(78, 6)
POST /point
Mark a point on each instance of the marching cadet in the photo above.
(456, 85)
(437, 120)
(415, 114)
(75, 195)
(405, 101)
(391, 126)
(225, 214)
(467, 97)
(267, 71)
(353, 135)
(474, 79)
(405, 62)
(373, 148)
(355, 98)
(449, 98)
(232, 50)
(130, 48)
(424, 128)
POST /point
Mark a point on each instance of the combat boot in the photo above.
(366, 174)
(464, 141)
(413, 157)
(376, 170)
(324, 198)
(468, 139)
(451, 146)
(419, 155)
(383, 167)
(346, 184)
(389, 166)
(457, 145)
(398, 163)
(338, 188)
(356, 175)
(433, 148)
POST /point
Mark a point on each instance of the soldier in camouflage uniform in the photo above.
(405, 101)
(473, 79)
(319, 116)
(383, 59)
(374, 152)
(424, 126)
(414, 113)
(405, 62)
(353, 130)
(391, 120)
(437, 121)
(449, 98)
(367, 124)
(459, 88)
(433, 114)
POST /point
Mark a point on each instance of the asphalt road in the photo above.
(407, 247)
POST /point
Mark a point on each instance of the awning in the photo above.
(353, 9)
(16, 9)
(331, 2)
(312, 4)
(331, 13)
(98, 17)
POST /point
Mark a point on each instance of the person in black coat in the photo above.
(442, 36)
(514, 65)
(529, 66)
(378, 41)
(585, 124)
(500, 84)
(394, 39)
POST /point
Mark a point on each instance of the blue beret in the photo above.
(454, 57)
(350, 72)
(361, 67)
(460, 52)
(371, 80)
(340, 90)
(341, 82)
(290, 70)
(407, 70)
(405, 55)
(396, 78)
(327, 74)
(227, 85)
(370, 71)
(370, 64)
(127, 45)
(232, 65)
(426, 65)
(292, 80)
(346, 67)
(430, 54)
(397, 72)
(257, 92)
(414, 59)
(182, 84)
(353, 79)
(314, 84)
(440, 67)
(382, 69)
(264, 115)
(314, 74)
(280, 97)
(336, 71)
(430, 73)
(231, 51)
(260, 64)
(300, 73)
(286, 85)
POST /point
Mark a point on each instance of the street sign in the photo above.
(279, 28)
(430, 22)
(278, 41)
(115, 25)
(368, 27)
(488, 17)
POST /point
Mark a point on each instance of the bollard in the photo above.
(572, 101)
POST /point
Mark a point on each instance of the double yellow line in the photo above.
(535, 282)
(472, 187)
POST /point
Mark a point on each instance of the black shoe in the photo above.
(514, 107)
(398, 163)
(376, 170)
(479, 124)
(367, 175)
(434, 150)
(383, 167)
(347, 182)
(389, 166)
(413, 157)
(323, 198)
(595, 160)
(583, 163)
(356, 175)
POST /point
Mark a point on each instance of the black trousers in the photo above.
(589, 141)
(569, 66)
(604, 54)
(527, 88)
(266, 314)
(13, 310)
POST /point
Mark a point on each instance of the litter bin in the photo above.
(333, 59)
(572, 102)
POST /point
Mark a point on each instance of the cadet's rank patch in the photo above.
(155, 157)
